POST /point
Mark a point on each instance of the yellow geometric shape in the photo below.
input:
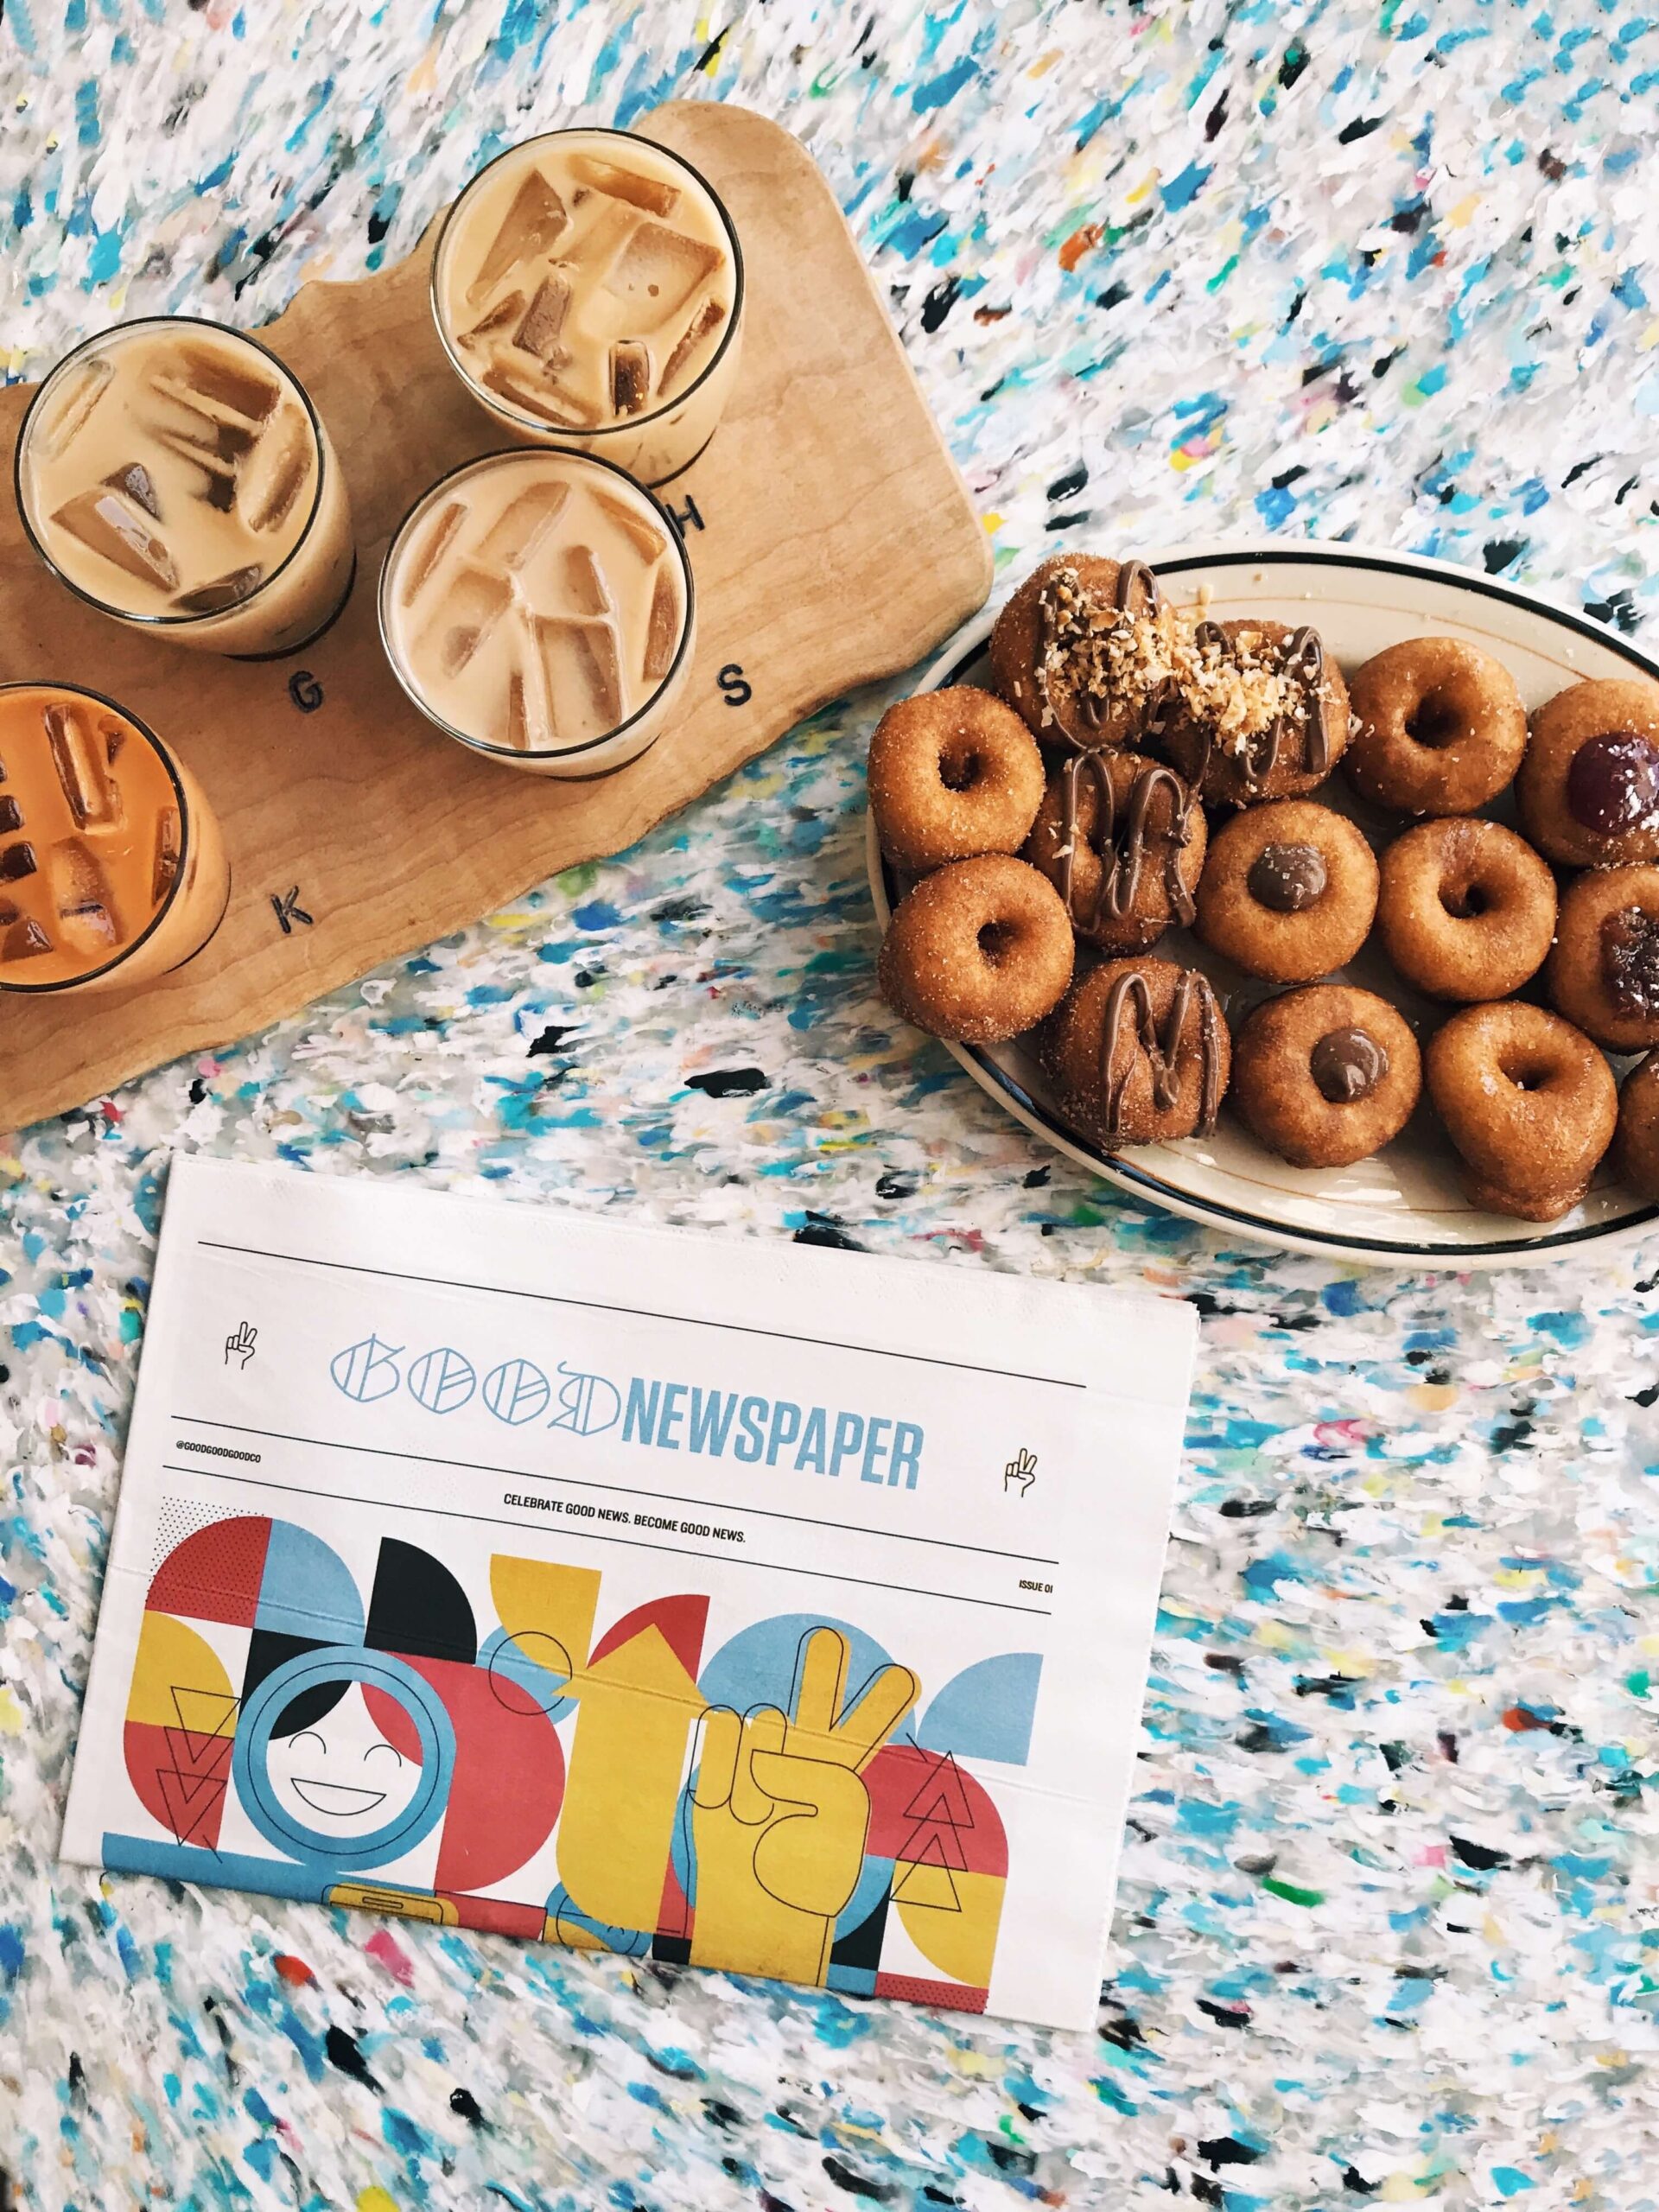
(931, 1886)
(406, 1905)
(172, 1663)
(961, 1940)
(535, 1597)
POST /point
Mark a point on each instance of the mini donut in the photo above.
(1588, 785)
(1604, 972)
(1529, 1104)
(1440, 728)
(1326, 1076)
(1121, 839)
(952, 774)
(1265, 717)
(1288, 891)
(1466, 909)
(1075, 650)
(979, 951)
(1138, 1053)
(1635, 1145)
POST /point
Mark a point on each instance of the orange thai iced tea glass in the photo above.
(174, 474)
(538, 606)
(112, 870)
(587, 287)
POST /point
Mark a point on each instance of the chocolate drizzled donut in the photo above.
(1138, 1053)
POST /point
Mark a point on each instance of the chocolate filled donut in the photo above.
(1288, 891)
(1325, 1076)
(1604, 971)
(1466, 909)
(1529, 1101)
(1636, 1144)
(1082, 650)
(1138, 1053)
(978, 951)
(1265, 717)
(1440, 727)
(952, 774)
(1588, 786)
(1123, 840)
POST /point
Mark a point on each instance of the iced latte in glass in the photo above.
(112, 870)
(588, 287)
(538, 606)
(176, 475)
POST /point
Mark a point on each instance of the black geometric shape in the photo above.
(270, 1649)
(862, 1946)
(672, 1950)
(418, 1607)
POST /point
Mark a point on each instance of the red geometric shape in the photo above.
(498, 1916)
(215, 1574)
(674, 1913)
(953, 1996)
(903, 1775)
(942, 1797)
(508, 1785)
(931, 1847)
(198, 1757)
(679, 1621)
(189, 1806)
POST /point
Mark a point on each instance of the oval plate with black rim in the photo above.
(1404, 1207)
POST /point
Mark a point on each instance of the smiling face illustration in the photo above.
(338, 1775)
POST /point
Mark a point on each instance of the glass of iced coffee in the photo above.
(538, 606)
(588, 287)
(176, 475)
(112, 870)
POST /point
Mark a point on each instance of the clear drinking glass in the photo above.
(587, 287)
(174, 474)
(113, 869)
(537, 605)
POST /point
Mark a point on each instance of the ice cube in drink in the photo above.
(537, 605)
(119, 872)
(174, 473)
(588, 288)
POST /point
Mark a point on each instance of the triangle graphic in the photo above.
(929, 1887)
(934, 1846)
(942, 1797)
(177, 1798)
(204, 1712)
(194, 1754)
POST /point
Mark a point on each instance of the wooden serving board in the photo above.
(833, 542)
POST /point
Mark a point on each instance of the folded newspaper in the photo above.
(735, 1604)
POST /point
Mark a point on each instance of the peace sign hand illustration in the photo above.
(241, 1346)
(779, 1815)
(1021, 1469)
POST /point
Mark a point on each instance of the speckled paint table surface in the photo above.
(1388, 1922)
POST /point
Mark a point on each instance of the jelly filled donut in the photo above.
(1635, 1145)
(1082, 650)
(1326, 1076)
(1466, 909)
(1121, 839)
(1440, 728)
(1529, 1104)
(1288, 891)
(1604, 972)
(1138, 1053)
(1264, 716)
(952, 774)
(1588, 785)
(978, 950)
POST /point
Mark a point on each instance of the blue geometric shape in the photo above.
(517, 1391)
(307, 1589)
(985, 1711)
(851, 1981)
(874, 1881)
(297, 1839)
(588, 1403)
(441, 1380)
(521, 1680)
(366, 1371)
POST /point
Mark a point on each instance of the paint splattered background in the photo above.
(1387, 1928)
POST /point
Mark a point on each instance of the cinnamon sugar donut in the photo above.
(978, 951)
(1122, 840)
(1138, 1053)
(1604, 971)
(1466, 909)
(1635, 1146)
(1326, 1076)
(1288, 891)
(1440, 728)
(1075, 652)
(1588, 786)
(1529, 1101)
(1264, 717)
(952, 774)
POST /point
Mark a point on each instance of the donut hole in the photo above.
(1526, 1071)
(961, 766)
(996, 940)
(1466, 902)
(1436, 720)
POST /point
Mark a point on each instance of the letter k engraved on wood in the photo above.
(780, 1815)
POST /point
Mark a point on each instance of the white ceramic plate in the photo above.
(1403, 1207)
